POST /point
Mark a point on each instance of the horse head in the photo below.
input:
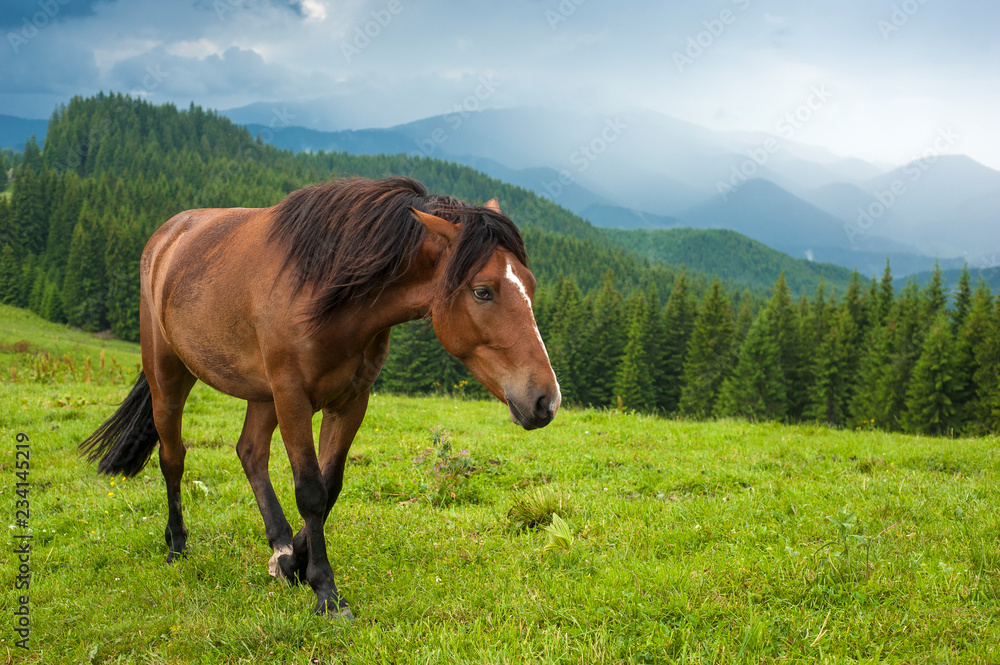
(488, 323)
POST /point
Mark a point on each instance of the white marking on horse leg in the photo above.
(272, 563)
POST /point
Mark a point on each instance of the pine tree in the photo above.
(564, 341)
(51, 305)
(30, 210)
(122, 264)
(853, 322)
(934, 296)
(829, 393)
(787, 337)
(709, 356)
(32, 157)
(678, 322)
(633, 382)
(8, 232)
(603, 345)
(908, 330)
(977, 365)
(85, 287)
(930, 408)
(757, 387)
(744, 319)
(37, 291)
(655, 342)
(885, 297)
(963, 299)
(417, 363)
(874, 401)
(10, 276)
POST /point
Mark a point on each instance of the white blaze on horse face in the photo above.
(512, 276)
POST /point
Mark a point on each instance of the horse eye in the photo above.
(482, 293)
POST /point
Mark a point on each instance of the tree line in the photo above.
(908, 361)
(622, 332)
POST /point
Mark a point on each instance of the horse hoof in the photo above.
(174, 556)
(341, 612)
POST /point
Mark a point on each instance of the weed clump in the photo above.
(454, 471)
(536, 508)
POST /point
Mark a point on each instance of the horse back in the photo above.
(206, 274)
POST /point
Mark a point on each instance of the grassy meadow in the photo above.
(675, 541)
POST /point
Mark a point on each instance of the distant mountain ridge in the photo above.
(646, 170)
(641, 169)
(14, 131)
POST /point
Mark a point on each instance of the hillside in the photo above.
(731, 256)
(772, 215)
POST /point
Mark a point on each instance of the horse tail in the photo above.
(125, 442)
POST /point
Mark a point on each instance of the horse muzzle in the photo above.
(535, 410)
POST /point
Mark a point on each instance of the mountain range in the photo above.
(640, 169)
(637, 169)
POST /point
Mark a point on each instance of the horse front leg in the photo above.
(254, 450)
(294, 412)
(336, 435)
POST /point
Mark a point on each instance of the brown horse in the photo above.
(289, 308)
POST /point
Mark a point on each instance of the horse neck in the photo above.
(411, 295)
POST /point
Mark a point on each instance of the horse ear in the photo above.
(492, 204)
(441, 229)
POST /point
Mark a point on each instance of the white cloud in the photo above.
(314, 10)
(200, 48)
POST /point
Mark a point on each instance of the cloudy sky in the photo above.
(877, 79)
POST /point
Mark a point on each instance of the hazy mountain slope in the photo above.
(617, 217)
(948, 206)
(767, 213)
(360, 142)
(731, 256)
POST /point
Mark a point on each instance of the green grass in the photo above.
(690, 542)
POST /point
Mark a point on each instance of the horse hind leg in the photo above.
(254, 450)
(170, 385)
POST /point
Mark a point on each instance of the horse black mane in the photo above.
(351, 237)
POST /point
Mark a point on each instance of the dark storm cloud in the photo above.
(18, 13)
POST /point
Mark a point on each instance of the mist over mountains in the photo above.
(642, 169)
